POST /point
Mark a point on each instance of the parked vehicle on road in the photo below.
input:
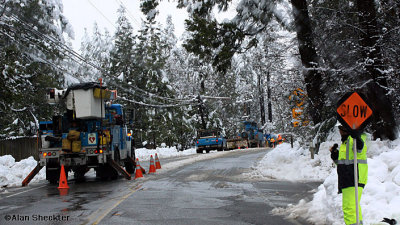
(90, 133)
(210, 140)
(249, 137)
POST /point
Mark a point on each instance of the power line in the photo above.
(156, 106)
(150, 94)
(52, 40)
(29, 57)
(55, 41)
(129, 13)
(64, 49)
(101, 13)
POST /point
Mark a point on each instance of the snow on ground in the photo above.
(144, 154)
(381, 197)
(13, 173)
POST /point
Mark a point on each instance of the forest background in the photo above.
(217, 74)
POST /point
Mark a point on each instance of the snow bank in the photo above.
(294, 164)
(144, 154)
(13, 173)
(381, 197)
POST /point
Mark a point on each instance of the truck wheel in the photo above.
(207, 151)
(113, 173)
(101, 172)
(199, 151)
(79, 173)
(105, 172)
(53, 174)
(129, 166)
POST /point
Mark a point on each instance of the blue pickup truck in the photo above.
(210, 140)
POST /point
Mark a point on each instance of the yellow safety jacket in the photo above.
(345, 163)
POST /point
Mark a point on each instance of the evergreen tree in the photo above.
(95, 49)
(30, 36)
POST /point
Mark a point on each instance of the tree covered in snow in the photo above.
(353, 40)
(325, 31)
(96, 49)
(122, 64)
(31, 33)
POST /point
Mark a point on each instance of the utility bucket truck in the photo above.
(89, 132)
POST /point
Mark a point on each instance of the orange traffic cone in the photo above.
(158, 164)
(152, 167)
(63, 179)
(138, 173)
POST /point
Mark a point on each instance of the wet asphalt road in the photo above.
(214, 191)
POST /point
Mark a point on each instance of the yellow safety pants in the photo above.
(349, 205)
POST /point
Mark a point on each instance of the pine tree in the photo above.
(30, 57)
(95, 49)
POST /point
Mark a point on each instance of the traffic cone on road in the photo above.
(158, 164)
(152, 167)
(63, 185)
(138, 172)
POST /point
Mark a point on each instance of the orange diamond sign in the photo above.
(353, 111)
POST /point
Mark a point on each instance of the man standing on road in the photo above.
(344, 158)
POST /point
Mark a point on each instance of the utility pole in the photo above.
(201, 112)
(261, 95)
(269, 98)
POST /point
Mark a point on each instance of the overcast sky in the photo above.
(83, 13)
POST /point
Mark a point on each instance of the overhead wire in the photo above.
(151, 95)
(157, 106)
(129, 13)
(77, 55)
(73, 53)
(29, 57)
(82, 59)
(98, 10)
(53, 40)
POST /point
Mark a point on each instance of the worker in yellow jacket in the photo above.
(344, 158)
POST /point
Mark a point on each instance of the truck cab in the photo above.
(210, 140)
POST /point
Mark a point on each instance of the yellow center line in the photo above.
(116, 204)
(107, 211)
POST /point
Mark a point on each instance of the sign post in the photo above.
(354, 113)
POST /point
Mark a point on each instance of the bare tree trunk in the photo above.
(377, 92)
(309, 59)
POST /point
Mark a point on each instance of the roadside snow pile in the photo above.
(144, 154)
(13, 173)
(381, 197)
(294, 164)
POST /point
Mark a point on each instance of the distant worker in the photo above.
(279, 140)
(344, 158)
(272, 140)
